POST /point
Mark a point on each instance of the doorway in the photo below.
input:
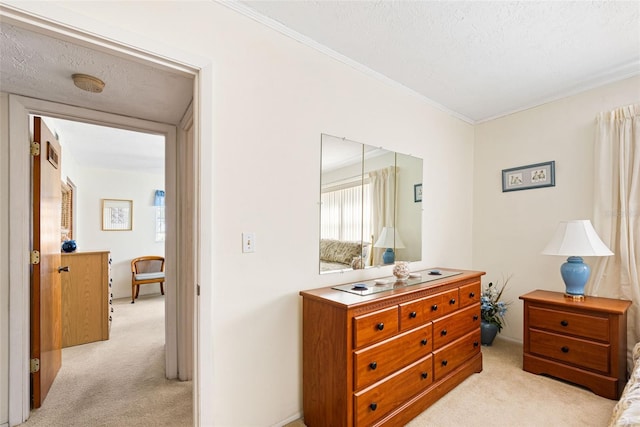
(182, 173)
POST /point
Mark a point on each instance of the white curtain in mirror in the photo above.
(382, 193)
(342, 207)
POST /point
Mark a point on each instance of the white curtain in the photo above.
(342, 210)
(382, 185)
(617, 211)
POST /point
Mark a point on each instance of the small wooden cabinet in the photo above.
(383, 358)
(86, 297)
(584, 342)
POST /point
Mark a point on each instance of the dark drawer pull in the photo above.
(443, 332)
(434, 307)
(373, 406)
(564, 323)
(424, 375)
(475, 317)
(452, 301)
(472, 294)
(380, 326)
(565, 349)
(424, 341)
(444, 363)
(373, 365)
(413, 314)
(475, 343)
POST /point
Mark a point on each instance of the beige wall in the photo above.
(511, 229)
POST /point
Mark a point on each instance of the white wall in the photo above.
(4, 258)
(511, 229)
(93, 185)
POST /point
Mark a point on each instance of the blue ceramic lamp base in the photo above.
(575, 274)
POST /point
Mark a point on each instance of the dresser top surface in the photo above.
(341, 298)
(590, 302)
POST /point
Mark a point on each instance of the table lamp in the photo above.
(576, 239)
(389, 239)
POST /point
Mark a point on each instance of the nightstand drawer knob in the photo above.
(373, 365)
(565, 349)
(443, 332)
(444, 363)
(434, 307)
(373, 406)
(424, 341)
(413, 314)
(564, 323)
(380, 326)
(424, 375)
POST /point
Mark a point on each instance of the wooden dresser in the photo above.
(86, 297)
(381, 359)
(584, 342)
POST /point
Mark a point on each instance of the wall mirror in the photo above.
(369, 215)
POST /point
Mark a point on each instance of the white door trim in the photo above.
(19, 225)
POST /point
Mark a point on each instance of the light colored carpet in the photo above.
(504, 395)
(119, 382)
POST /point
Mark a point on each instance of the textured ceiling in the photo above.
(38, 66)
(476, 59)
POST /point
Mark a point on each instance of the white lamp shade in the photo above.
(576, 238)
(389, 238)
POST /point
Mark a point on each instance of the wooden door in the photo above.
(46, 295)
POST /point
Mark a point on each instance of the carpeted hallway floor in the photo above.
(119, 382)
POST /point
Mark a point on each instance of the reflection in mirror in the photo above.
(368, 214)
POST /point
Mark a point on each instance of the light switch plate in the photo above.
(248, 242)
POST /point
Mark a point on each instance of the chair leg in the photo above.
(133, 294)
(162, 288)
(137, 291)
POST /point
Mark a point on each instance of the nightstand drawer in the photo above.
(579, 352)
(453, 326)
(375, 402)
(376, 362)
(565, 322)
(374, 327)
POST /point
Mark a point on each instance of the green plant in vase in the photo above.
(492, 311)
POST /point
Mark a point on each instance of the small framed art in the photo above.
(531, 176)
(117, 215)
(417, 193)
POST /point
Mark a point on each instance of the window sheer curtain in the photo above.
(617, 211)
(383, 185)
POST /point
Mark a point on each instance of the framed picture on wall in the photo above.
(531, 176)
(117, 215)
(417, 193)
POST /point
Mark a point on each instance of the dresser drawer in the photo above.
(376, 362)
(447, 359)
(374, 327)
(565, 322)
(375, 402)
(579, 352)
(455, 325)
(470, 294)
(440, 304)
(412, 314)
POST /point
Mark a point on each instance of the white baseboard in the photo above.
(4, 425)
(282, 423)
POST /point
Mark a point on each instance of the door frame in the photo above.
(20, 108)
(55, 21)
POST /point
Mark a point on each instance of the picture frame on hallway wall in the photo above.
(537, 175)
(117, 215)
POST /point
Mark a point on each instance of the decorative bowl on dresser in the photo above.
(583, 342)
(380, 352)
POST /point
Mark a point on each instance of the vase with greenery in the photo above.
(492, 311)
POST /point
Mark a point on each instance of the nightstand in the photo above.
(583, 342)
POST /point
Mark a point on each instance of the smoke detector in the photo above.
(88, 83)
